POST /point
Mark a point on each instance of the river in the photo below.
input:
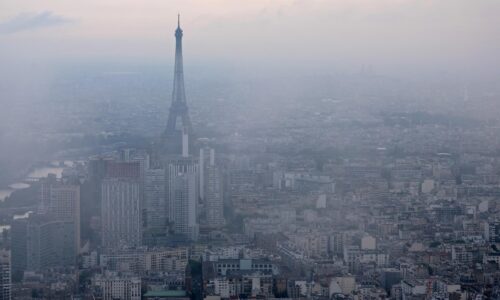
(37, 173)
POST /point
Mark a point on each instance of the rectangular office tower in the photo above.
(214, 205)
(207, 158)
(154, 199)
(61, 201)
(42, 241)
(182, 196)
(121, 213)
(50, 242)
(65, 206)
(211, 189)
(5, 275)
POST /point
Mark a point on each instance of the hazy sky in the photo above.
(437, 34)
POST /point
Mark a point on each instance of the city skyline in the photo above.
(312, 150)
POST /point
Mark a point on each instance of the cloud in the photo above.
(30, 21)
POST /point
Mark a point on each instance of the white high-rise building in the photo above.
(154, 199)
(214, 201)
(5, 275)
(182, 196)
(207, 158)
(121, 216)
(211, 188)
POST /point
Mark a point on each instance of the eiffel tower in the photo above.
(178, 133)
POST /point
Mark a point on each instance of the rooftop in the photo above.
(166, 293)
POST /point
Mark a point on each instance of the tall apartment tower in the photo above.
(214, 198)
(64, 205)
(182, 196)
(155, 204)
(121, 206)
(91, 211)
(155, 208)
(61, 201)
(5, 275)
(207, 158)
(18, 244)
(211, 191)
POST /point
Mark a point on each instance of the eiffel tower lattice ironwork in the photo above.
(178, 119)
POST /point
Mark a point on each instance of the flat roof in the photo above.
(167, 293)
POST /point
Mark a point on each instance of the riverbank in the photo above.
(32, 175)
(26, 197)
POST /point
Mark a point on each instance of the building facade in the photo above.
(121, 214)
(182, 197)
(110, 286)
(5, 275)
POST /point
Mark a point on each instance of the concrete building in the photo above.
(223, 266)
(5, 275)
(142, 260)
(64, 205)
(112, 285)
(121, 214)
(368, 243)
(19, 235)
(214, 198)
(154, 199)
(40, 242)
(182, 196)
(492, 231)
(207, 158)
(50, 243)
(211, 190)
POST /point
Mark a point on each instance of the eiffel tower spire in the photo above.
(178, 118)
